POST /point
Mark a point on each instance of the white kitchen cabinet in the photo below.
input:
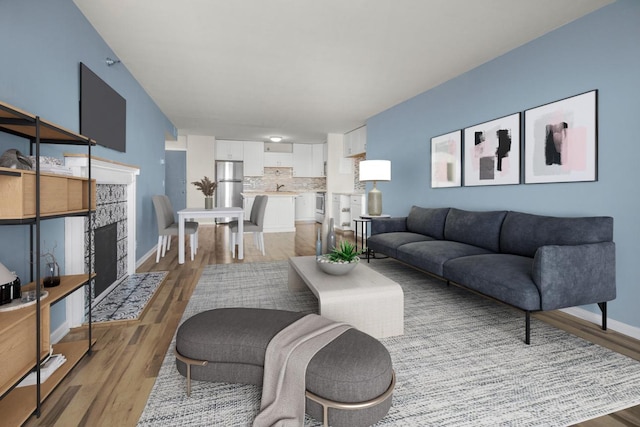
(279, 215)
(229, 150)
(306, 207)
(302, 160)
(341, 209)
(357, 206)
(355, 142)
(278, 160)
(308, 160)
(253, 153)
(318, 159)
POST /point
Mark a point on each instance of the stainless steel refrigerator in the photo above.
(229, 174)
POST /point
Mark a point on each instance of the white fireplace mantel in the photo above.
(104, 172)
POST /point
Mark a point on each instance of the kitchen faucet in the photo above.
(279, 186)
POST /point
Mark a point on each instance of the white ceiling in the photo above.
(248, 69)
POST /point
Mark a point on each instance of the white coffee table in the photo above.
(363, 298)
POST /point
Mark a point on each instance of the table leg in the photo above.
(180, 239)
(356, 235)
(241, 236)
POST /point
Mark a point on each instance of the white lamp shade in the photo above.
(375, 170)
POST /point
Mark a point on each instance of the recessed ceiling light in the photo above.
(275, 138)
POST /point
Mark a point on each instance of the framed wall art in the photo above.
(446, 160)
(561, 140)
(492, 152)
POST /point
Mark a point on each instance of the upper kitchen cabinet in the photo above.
(253, 152)
(317, 164)
(308, 160)
(229, 150)
(355, 142)
(278, 160)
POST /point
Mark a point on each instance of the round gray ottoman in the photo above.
(351, 378)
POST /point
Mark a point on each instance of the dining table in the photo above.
(218, 212)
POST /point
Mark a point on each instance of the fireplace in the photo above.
(115, 207)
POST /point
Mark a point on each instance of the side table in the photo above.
(362, 229)
(363, 223)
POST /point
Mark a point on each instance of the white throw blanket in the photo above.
(285, 366)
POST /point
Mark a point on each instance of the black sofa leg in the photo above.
(603, 308)
(527, 328)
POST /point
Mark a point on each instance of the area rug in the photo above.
(128, 299)
(461, 362)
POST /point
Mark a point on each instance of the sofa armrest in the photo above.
(388, 225)
(568, 276)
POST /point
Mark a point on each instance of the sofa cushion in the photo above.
(427, 221)
(502, 276)
(388, 243)
(475, 228)
(388, 225)
(431, 255)
(523, 234)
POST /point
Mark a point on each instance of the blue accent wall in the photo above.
(43, 45)
(600, 51)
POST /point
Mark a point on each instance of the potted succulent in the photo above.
(207, 187)
(341, 260)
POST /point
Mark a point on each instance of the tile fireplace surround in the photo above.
(110, 176)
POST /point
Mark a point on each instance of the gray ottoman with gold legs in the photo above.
(349, 382)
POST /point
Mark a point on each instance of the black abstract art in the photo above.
(494, 156)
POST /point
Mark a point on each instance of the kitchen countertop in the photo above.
(270, 193)
(349, 194)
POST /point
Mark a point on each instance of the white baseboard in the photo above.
(596, 318)
(60, 332)
(145, 257)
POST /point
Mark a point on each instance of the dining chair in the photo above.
(188, 223)
(253, 225)
(167, 227)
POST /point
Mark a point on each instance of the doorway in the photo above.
(175, 178)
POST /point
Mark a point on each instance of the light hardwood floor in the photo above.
(111, 387)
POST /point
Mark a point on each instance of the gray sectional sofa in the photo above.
(531, 262)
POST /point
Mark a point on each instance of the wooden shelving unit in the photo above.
(17, 324)
(29, 197)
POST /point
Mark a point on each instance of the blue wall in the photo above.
(43, 44)
(600, 51)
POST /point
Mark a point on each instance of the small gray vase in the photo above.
(331, 237)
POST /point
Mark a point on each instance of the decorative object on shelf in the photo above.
(341, 260)
(51, 271)
(9, 285)
(51, 276)
(207, 187)
(375, 170)
(446, 160)
(492, 152)
(561, 140)
(14, 159)
(331, 237)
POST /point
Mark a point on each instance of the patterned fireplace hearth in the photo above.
(115, 204)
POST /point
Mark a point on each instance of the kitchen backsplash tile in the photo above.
(283, 176)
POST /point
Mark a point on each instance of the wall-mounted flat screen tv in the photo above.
(103, 112)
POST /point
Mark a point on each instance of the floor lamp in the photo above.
(375, 170)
